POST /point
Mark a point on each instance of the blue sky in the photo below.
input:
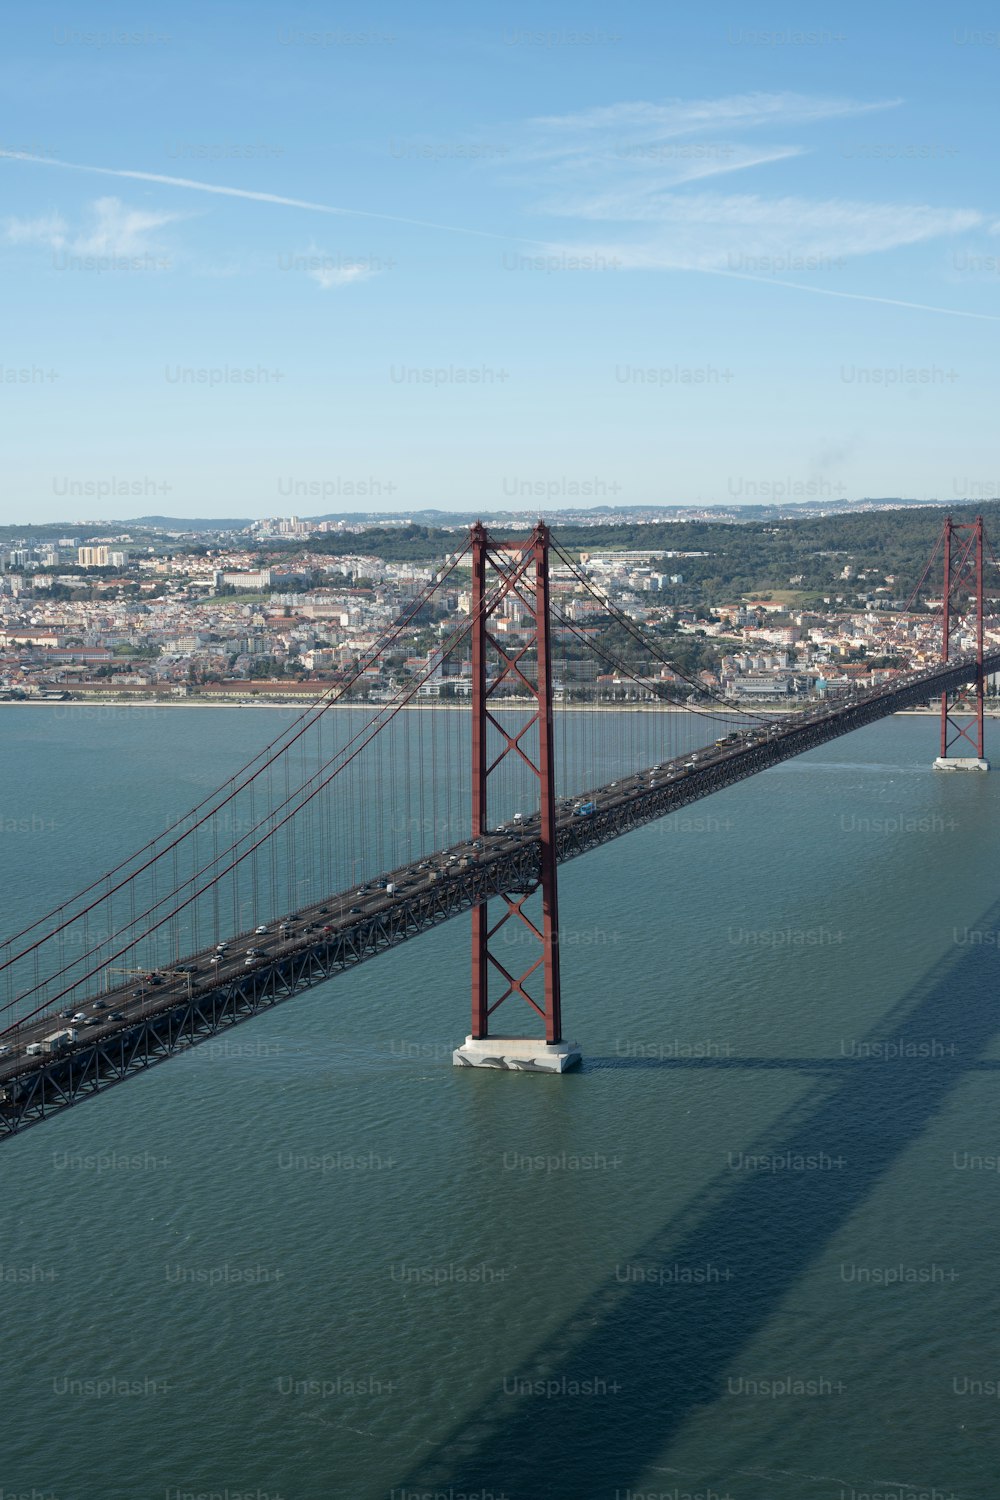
(262, 259)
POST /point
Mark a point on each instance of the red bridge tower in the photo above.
(962, 717)
(503, 574)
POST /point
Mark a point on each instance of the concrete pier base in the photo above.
(518, 1054)
(960, 763)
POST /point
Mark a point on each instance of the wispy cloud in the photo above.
(671, 142)
(731, 231)
(111, 229)
(609, 185)
(684, 116)
(327, 277)
(632, 164)
(330, 271)
(50, 231)
(640, 169)
(119, 230)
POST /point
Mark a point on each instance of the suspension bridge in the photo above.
(362, 825)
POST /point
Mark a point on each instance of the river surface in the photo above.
(748, 1250)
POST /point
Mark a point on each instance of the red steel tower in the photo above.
(962, 717)
(504, 575)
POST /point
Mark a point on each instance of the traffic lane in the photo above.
(157, 999)
(153, 998)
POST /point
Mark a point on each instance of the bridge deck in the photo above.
(127, 1030)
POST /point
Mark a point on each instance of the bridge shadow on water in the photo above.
(670, 1348)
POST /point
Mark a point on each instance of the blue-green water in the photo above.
(748, 1250)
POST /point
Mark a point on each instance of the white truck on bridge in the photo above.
(53, 1043)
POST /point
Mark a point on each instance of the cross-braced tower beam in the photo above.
(508, 575)
(962, 714)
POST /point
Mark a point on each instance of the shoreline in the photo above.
(303, 704)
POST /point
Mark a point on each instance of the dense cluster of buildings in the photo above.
(179, 622)
(130, 619)
(806, 652)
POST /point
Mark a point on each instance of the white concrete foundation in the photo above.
(518, 1054)
(960, 763)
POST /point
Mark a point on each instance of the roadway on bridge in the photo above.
(688, 776)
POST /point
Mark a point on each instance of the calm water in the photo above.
(749, 1250)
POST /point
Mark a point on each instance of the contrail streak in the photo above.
(231, 192)
(487, 234)
(825, 291)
